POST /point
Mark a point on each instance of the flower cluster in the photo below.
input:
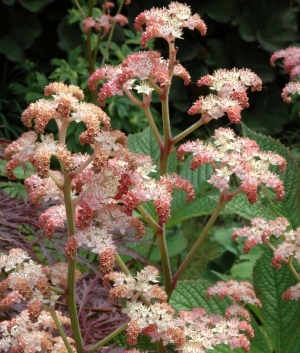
(240, 156)
(291, 61)
(106, 186)
(103, 22)
(231, 97)
(29, 281)
(168, 22)
(21, 334)
(261, 231)
(194, 330)
(148, 67)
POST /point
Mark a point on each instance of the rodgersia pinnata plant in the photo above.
(114, 189)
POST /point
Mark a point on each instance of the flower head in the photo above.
(236, 155)
(168, 22)
(231, 98)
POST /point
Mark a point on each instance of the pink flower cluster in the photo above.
(148, 67)
(168, 22)
(261, 231)
(230, 155)
(231, 97)
(291, 62)
(106, 186)
(21, 334)
(32, 330)
(192, 331)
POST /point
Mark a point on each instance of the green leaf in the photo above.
(280, 318)
(203, 204)
(13, 189)
(241, 206)
(289, 207)
(219, 10)
(192, 294)
(35, 5)
(244, 268)
(144, 142)
(18, 31)
(176, 243)
(21, 172)
(143, 342)
(272, 23)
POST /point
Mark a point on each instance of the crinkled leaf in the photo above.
(18, 32)
(289, 207)
(143, 343)
(202, 205)
(280, 318)
(145, 143)
(192, 294)
(270, 22)
(13, 189)
(249, 55)
(34, 5)
(176, 243)
(219, 10)
(21, 172)
(241, 206)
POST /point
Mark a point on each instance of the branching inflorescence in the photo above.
(96, 194)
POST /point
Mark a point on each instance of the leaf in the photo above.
(176, 243)
(143, 342)
(180, 209)
(219, 10)
(241, 206)
(272, 23)
(202, 205)
(35, 5)
(192, 294)
(13, 189)
(21, 172)
(21, 29)
(289, 207)
(280, 318)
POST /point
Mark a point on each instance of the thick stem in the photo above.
(202, 236)
(109, 337)
(165, 151)
(71, 267)
(153, 126)
(165, 263)
(60, 329)
(155, 226)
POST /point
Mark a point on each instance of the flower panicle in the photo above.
(230, 155)
(231, 97)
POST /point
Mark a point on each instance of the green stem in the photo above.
(167, 134)
(187, 132)
(292, 268)
(124, 268)
(165, 263)
(121, 264)
(109, 337)
(80, 9)
(153, 126)
(71, 267)
(161, 347)
(151, 247)
(58, 290)
(74, 173)
(202, 236)
(110, 35)
(60, 329)
(154, 225)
